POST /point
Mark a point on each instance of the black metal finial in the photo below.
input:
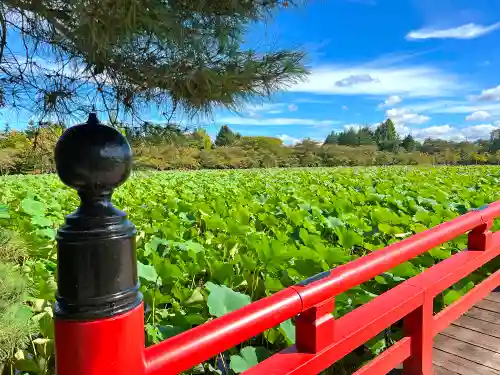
(93, 120)
(97, 271)
(92, 156)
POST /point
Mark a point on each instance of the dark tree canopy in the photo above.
(226, 136)
(66, 56)
(386, 132)
(409, 143)
(348, 137)
(365, 136)
(332, 138)
(386, 136)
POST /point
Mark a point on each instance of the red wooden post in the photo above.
(480, 237)
(418, 325)
(99, 319)
(315, 327)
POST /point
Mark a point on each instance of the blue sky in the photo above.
(430, 65)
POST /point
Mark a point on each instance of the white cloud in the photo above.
(356, 79)
(451, 133)
(441, 131)
(492, 94)
(455, 107)
(390, 101)
(406, 81)
(276, 121)
(405, 116)
(345, 108)
(313, 101)
(288, 140)
(478, 116)
(468, 31)
(259, 110)
(256, 110)
(478, 131)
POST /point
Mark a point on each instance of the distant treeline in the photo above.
(161, 147)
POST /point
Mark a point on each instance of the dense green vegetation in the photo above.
(212, 241)
(165, 147)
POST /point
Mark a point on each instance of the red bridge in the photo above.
(100, 318)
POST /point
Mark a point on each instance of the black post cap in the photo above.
(97, 270)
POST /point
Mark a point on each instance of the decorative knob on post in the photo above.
(98, 304)
(97, 270)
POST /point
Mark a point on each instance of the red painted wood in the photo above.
(444, 318)
(102, 347)
(426, 285)
(315, 328)
(449, 271)
(480, 237)
(418, 326)
(388, 359)
(205, 341)
(365, 268)
(351, 331)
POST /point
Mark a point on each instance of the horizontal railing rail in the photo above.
(321, 340)
(411, 301)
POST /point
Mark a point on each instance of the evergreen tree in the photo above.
(332, 138)
(185, 54)
(226, 136)
(409, 143)
(348, 137)
(386, 136)
(494, 141)
(365, 136)
(386, 132)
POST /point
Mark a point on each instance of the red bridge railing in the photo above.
(99, 311)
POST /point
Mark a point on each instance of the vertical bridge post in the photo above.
(99, 319)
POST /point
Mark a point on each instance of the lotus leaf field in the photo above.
(210, 242)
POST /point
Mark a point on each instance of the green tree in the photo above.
(226, 136)
(386, 136)
(494, 140)
(348, 137)
(386, 131)
(409, 143)
(307, 152)
(174, 53)
(202, 139)
(366, 136)
(260, 142)
(478, 158)
(332, 138)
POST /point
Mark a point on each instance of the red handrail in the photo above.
(411, 301)
(312, 299)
